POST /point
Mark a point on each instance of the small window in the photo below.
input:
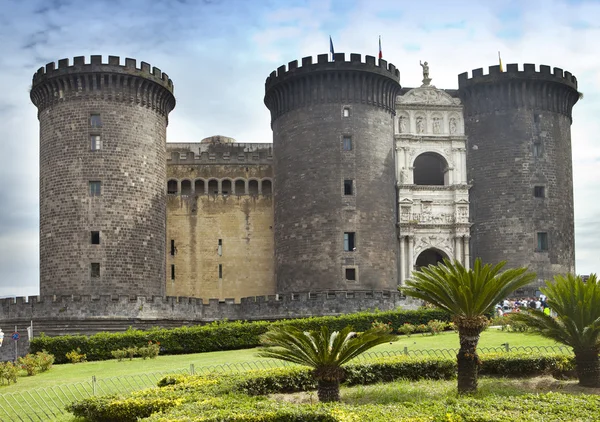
(349, 242)
(95, 238)
(539, 191)
(95, 188)
(95, 269)
(348, 187)
(226, 187)
(347, 143)
(172, 247)
(220, 270)
(537, 150)
(542, 242)
(346, 112)
(172, 271)
(220, 247)
(351, 274)
(95, 142)
(172, 187)
(95, 121)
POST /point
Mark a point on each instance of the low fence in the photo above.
(48, 404)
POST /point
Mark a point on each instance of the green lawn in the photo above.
(69, 373)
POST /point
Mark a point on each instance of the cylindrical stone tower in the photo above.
(334, 187)
(102, 176)
(518, 127)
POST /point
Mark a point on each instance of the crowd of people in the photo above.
(515, 305)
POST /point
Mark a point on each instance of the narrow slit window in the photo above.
(220, 247)
(95, 188)
(348, 185)
(95, 269)
(539, 191)
(95, 143)
(95, 121)
(351, 274)
(542, 242)
(172, 247)
(95, 238)
(172, 271)
(347, 143)
(346, 112)
(349, 242)
(537, 150)
(220, 271)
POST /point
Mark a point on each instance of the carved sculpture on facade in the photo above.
(437, 125)
(420, 125)
(426, 78)
(452, 125)
(402, 124)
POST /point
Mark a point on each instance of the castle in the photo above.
(365, 181)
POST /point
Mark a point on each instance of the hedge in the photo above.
(225, 335)
(233, 396)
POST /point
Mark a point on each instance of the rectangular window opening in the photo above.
(95, 143)
(351, 274)
(542, 241)
(347, 143)
(95, 188)
(346, 112)
(537, 150)
(220, 271)
(172, 271)
(95, 121)
(95, 269)
(220, 247)
(349, 242)
(172, 247)
(348, 187)
(539, 191)
(95, 238)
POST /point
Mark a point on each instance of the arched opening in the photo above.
(266, 187)
(428, 257)
(253, 187)
(213, 187)
(172, 187)
(226, 187)
(186, 187)
(199, 187)
(430, 169)
(240, 187)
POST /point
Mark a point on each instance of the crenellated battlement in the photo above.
(373, 82)
(370, 64)
(109, 80)
(512, 72)
(203, 153)
(545, 88)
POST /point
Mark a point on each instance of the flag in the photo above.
(500, 60)
(331, 48)
(380, 53)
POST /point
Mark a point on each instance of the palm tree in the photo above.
(323, 351)
(467, 294)
(577, 306)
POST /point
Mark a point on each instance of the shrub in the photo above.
(36, 363)
(75, 356)
(406, 329)
(8, 372)
(422, 328)
(223, 335)
(119, 354)
(150, 351)
(435, 326)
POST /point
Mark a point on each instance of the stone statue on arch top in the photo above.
(426, 78)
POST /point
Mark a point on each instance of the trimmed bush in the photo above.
(218, 335)
(226, 397)
(36, 363)
(8, 372)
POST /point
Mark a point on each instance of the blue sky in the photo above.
(219, 52)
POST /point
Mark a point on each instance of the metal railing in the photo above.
(48, 403)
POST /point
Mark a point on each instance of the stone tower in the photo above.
(334, 177)
(102, 176)
(518, 127)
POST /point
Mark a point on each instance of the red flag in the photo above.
(380, 53)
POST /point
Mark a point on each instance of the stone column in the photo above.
(402, 260)
(411, 250)
(458, 249)
(467, 262)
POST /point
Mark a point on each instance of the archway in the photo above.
(430, 168)
(428, 257)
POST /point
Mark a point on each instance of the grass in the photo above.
(82, 372)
